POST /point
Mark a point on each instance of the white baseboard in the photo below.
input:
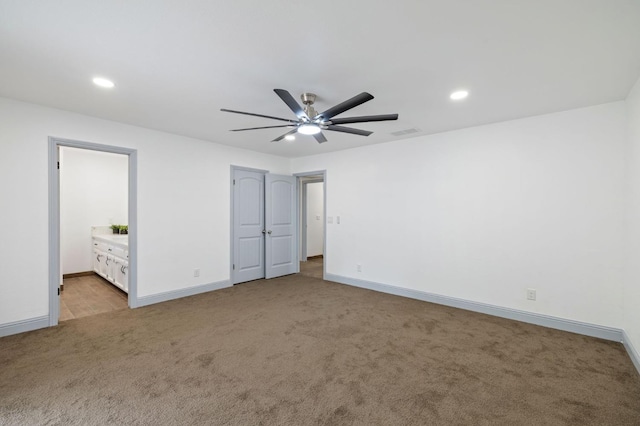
(631, 350)
(578, 327)
(177, 294)
(24, 325)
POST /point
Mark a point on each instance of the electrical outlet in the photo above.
(337, 220)
(359, 267)
(531, 294)
(196, 272)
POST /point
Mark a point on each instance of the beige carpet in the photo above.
(301, 351)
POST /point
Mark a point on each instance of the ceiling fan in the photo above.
(310, 122)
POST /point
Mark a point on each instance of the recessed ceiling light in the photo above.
(459, 94)
(309, 129)
(103, 82)
(290, 137)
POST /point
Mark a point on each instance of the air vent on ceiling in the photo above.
(405, 132)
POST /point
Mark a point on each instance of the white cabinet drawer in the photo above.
(99, 245)
(118, 251)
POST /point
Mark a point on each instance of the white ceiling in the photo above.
(176, 63)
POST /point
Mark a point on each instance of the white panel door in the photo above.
(248, 222)
(280, 220)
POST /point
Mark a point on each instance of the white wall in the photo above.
(93, 192)
(483, 213)
(479, 214)
(315, 218)
(632, 280)
(181, 181)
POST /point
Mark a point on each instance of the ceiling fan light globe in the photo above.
(309, 129)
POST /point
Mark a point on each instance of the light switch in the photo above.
(317, 217)
(338, 220)
(329, 219)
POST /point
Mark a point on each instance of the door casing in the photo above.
(54, 218)
(301, 207)
(303, 216)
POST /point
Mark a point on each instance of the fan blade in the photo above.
(256, 128)
(320, 137)
(279, 138)
(365, 118)
(258, 115)
(291, 103)
(348, 130)
(346, 105)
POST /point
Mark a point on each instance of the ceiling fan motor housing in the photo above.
(308, 99)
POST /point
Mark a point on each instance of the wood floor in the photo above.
(89, 295)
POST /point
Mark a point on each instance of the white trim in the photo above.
(24, 325)
(587, 329)
(631, 350)
(323, 173)
(185, 292)
(54, 219)
(132, 289)
(54, 233)
(302, 214)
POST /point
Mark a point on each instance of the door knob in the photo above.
(269, 232)
(264, 231)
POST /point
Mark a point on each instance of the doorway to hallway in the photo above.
(312, 187)
(313, 267)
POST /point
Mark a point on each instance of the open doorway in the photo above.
(312, 224)
(94, 265)
(93, 232)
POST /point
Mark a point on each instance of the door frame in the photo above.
(303, 217)
(231, 217)
(302, 206)
(55, 144)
